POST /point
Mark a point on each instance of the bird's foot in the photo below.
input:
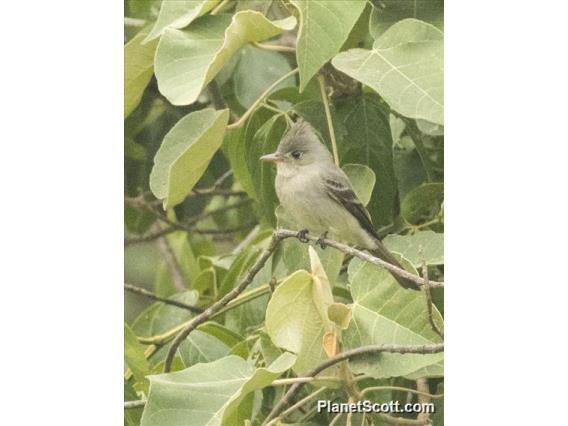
(320, 240)
(302, 235)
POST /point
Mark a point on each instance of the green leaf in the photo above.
(422, 246)
(265, 141)
(422, 203)
(138, 70)
(368, 141)
(385, 313)
(431, 11)
(134, 355)
(179, 14)
(185, 154)
(228, 337)
(159, 317)
(363, 180)
(201, 347)
(325, 26)
(208, 394)
(186, 61)
(340, 314)
(405, 66)
(256, 70)
(236, 147)
(296, 316)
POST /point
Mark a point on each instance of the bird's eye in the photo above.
(296, 154)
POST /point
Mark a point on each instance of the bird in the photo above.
(319, 196)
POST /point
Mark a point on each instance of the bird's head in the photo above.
(300, 147)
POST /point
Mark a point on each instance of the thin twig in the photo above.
(224, 192)
(365, 350)
(428, 292)
(286, 233)
(149, 237)
(134, 404)
(296, 405)
(423, 397)
(153, 296)
(325, 100)
(171, 262)
(275, 47)
(241, 121)
(400, 388)
(217, 306)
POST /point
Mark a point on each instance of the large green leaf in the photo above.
(325, 26)
(368, 141)
(201, 347)
(405, 66)
(186, 61)
(207, 394)
(256, 70)
(185, 154)
(296, 316)
(138, 70)
(427, 246)
(179, 14)
(265, 140)
(385, 313)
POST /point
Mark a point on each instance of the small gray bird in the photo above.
(319, 196)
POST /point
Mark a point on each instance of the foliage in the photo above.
(210, 86)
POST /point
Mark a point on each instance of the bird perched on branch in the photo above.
(319, 196)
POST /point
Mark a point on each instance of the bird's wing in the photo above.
(339, 189)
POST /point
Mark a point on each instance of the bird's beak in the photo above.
(271, 158)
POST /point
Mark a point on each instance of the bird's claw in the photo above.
(320, 241)
(302, 235)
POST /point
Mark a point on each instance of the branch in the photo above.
(325, 100)
(428, 292)
(297, 405)
(165, 337)
(365, 350)
(172, 263)
(286, 233)
(217, 306)
(423, 397)
(153, 296)
(134, 404)
(241, 121)
(275, 47)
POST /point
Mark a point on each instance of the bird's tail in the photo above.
(382, 253)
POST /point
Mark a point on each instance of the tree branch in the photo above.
(286, 233)
(365, 350)
(217, 306)
(134, 404)
(172, 263)
(275, 47)
(428, 292)
(325, 100)
(153, 296)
